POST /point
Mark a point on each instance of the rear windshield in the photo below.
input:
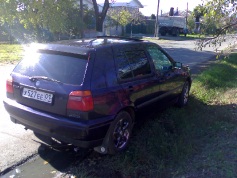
(64, 68)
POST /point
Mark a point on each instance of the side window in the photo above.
(138, 62)
(124, 69)
(161, 61)
(132, 64)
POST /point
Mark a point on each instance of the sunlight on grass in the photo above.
(213, 85)
(194, 36)
(10, 53)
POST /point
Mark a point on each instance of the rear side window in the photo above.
(66, 69)
(132, 64)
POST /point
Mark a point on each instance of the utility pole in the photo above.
(157, 22)
(187, 17)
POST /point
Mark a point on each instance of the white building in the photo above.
(128, 3)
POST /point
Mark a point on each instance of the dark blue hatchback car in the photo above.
(87, 93)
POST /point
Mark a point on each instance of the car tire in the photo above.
(184, 96)
(120, 132)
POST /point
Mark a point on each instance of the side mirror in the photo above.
(178, 65)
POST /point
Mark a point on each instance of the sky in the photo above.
(150, 6)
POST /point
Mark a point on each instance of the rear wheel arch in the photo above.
(130, 111)
(108, 145)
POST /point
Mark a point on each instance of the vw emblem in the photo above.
(37, 83)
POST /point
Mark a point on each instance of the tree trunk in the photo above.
(99, 23)
(100, 16)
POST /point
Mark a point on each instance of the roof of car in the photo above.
(82, 47)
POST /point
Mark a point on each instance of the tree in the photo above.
(8, 16)
(222, 14)
(153, 16)
(42, 17)
(100, 16)
(191, 23)
(198, 12)
(89, 19)
(122, 16)
(55, 16)
(119, 16)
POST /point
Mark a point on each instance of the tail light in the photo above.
(9, 85)
(80, 100)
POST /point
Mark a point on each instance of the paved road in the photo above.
(16, 144)
(184, 51)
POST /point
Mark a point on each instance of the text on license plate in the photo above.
(37, 95)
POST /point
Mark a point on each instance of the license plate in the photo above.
(37, 95)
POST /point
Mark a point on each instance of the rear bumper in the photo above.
(81, 133)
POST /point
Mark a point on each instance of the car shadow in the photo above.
(60, 156)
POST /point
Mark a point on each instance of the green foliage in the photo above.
(8, 12)
(222, 13)
(54, 16)
(198, 11)
(89, 18)
(219, 19)
(153, 16)
(119, 16)
(190, 22)
(123, 16)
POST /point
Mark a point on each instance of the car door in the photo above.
(134, 74)
(169, 81)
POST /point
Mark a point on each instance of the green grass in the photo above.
(218, 84)
(196, 141)
(10, 53)
(181, 37)
(194, 36)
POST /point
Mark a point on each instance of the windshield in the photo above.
(66, 69)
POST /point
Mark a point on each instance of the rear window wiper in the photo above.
(35, 78)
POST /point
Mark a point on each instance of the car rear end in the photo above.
(49, 92)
